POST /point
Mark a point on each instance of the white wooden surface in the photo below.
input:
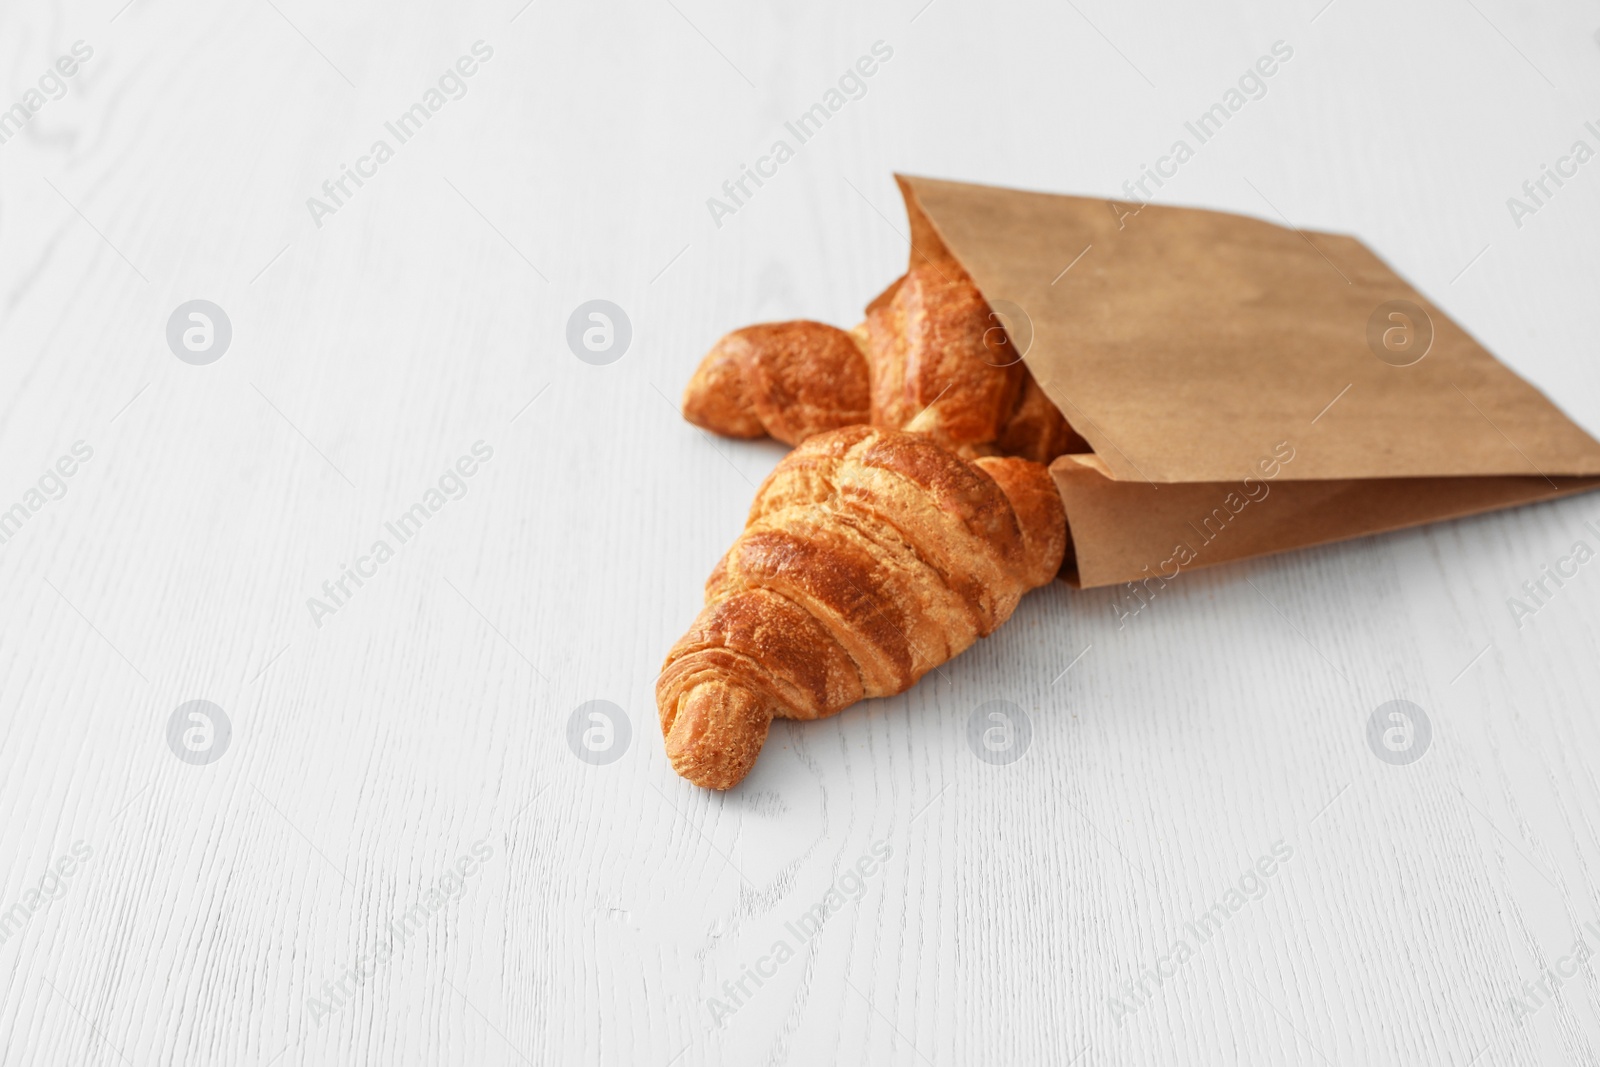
(430, 712)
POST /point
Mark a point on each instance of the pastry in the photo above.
(870, 557)
(787, 380)
(931, 358)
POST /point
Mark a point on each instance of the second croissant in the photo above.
(931, 357)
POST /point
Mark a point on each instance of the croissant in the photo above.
(931, 358)
(787, 380)
(870, 557)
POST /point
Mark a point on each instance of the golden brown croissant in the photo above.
(869, 558)
(931, 358)
(788, 380)
(941, 365)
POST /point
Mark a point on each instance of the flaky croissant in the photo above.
(787, 380)
(931, 358)
(869, 557)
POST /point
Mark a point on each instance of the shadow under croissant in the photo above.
(870, 557)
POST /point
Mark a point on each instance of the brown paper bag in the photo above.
(1246, 388)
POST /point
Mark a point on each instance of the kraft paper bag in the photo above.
(1245, 387)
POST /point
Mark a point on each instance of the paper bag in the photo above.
(1246, 387)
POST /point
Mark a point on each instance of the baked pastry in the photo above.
(787, 380)
(931, 357)
(941, 360)
(869, 558)
(1036, 429)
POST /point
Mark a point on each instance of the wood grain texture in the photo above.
(429, 713)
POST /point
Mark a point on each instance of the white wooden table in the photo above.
(212, 911)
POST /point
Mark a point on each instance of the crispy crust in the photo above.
(870, 557)
(1033, 495)
(941, 363)
(1036, 429)
(930, 358)
(787, 379)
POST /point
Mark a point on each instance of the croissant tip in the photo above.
(714, 398)
(714, 732)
